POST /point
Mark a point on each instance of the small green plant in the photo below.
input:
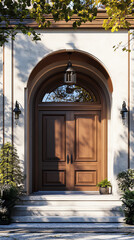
(104, 183)
(126, 180)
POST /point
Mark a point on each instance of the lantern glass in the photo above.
(70, 75)
(16, 115)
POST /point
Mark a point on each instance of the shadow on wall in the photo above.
(121, 156)
(132, 124)
(1, 65)
(71, 44)
(27, 55)
(7, 118)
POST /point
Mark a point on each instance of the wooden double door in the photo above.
(71, 150)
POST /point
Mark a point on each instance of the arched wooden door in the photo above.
(70, 138)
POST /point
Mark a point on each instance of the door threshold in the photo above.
(66, 193)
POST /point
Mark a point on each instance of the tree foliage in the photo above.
(117, 11)
(14, 14)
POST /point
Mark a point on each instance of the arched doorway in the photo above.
(69, 137)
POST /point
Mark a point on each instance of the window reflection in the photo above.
(66, 93)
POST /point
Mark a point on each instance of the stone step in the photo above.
(70, 203)
(82, 207)
(67, 228)
(72, 200)
(71, 197)
(66, 211)
(69, 219)
(87, 203)
(65, 207)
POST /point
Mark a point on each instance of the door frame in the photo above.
(86, 64)
(39, 106)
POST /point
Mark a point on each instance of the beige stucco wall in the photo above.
(96, 42)
(132, 100)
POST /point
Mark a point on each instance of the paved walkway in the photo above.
(66, 231)
(66, 236)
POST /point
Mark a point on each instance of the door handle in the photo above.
(71, 158)
(67, 159)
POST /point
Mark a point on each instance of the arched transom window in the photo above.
(69, 93)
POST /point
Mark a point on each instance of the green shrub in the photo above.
(126, 180)
(11, 181)
(4, 216)
(128, 206)
(126, 185)
(10, 170)
(9, 195)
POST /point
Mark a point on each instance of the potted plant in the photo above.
(104, 186)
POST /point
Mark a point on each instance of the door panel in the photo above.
(85, 178)
(85, 143)
(52, 178)
(71, 150)
(52, 151)
(53, 128)
(86, 161)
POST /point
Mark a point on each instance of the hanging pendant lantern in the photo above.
(70, 75)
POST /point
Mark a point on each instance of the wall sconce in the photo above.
(70, 75)
(17, 112)
(124, 112)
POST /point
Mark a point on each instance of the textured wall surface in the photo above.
(96, 42)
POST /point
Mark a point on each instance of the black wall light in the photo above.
(17, 111)
(124, 112)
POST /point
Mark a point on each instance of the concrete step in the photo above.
(69, 213)
(68, 219)
(82, 207)
(90, 211)
(64, 207)
(69, 197)
(77, 203)
(72, 200)
(87, 203)
(67, 228)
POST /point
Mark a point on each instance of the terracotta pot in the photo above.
(104, 190)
